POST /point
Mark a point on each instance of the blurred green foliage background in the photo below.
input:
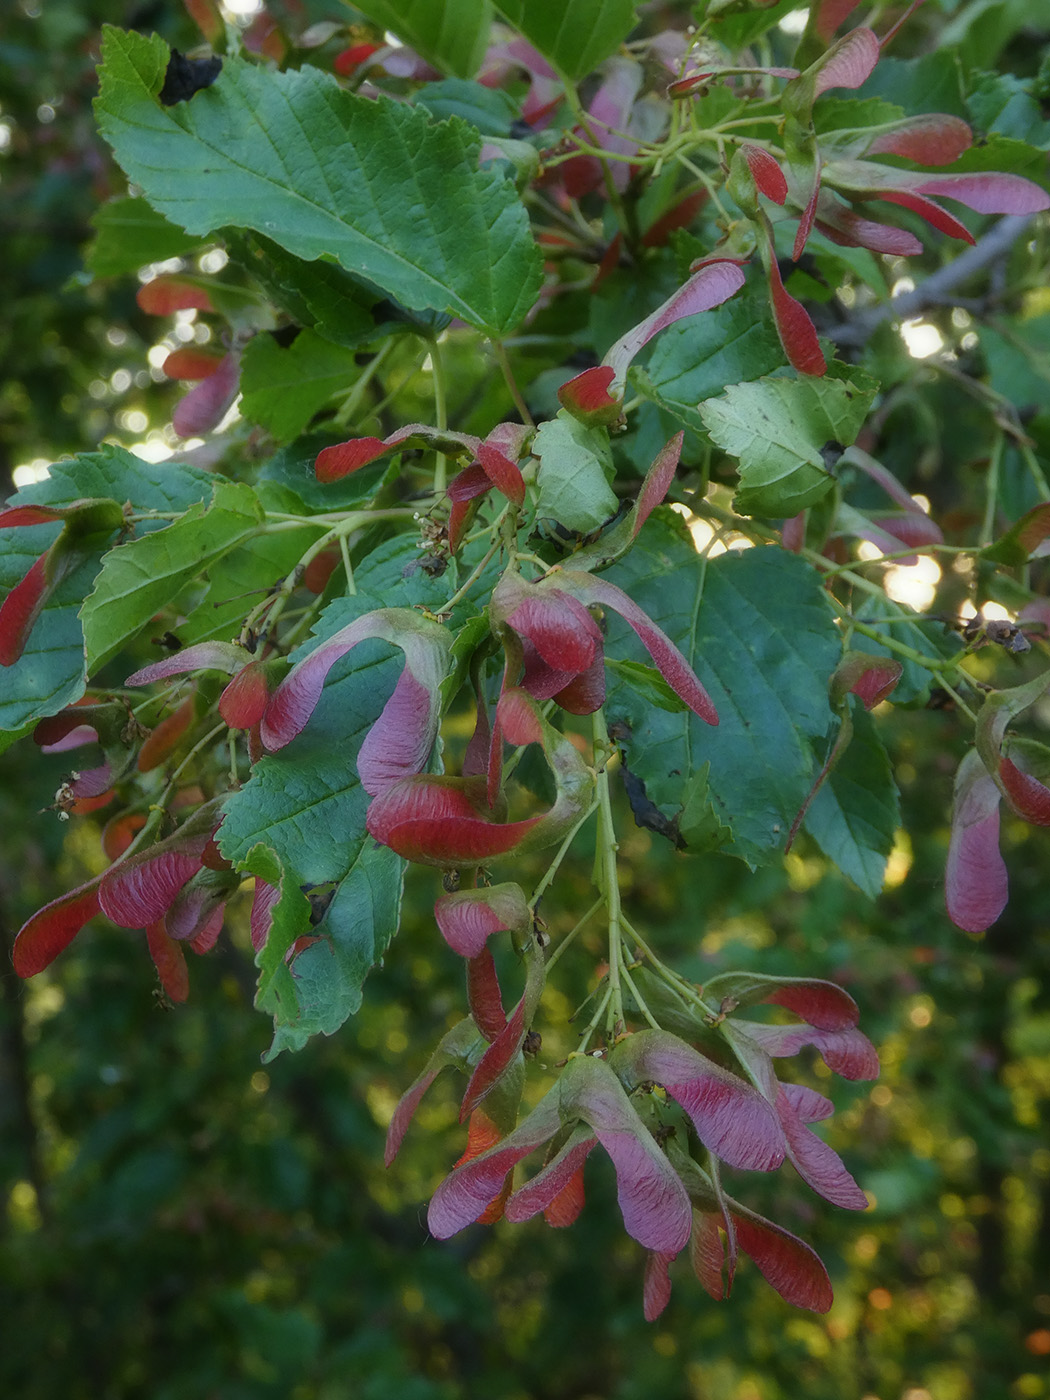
(177, 1222)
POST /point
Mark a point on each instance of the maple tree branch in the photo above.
(938, 288)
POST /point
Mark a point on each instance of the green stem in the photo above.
(348, 409)
(571, 935)
(437, 365)
(275, 518)
(707, 182)
(348, 568)
(603, 156)
(667, 975)
(607, 877)
(1035, 471)
(209, 738)
(702, 507)
(500, 352)
(523, 556)
(991, 498)
(303, 622)
(937, 664)
(946, 685)
(642, 1005)
(562, 851)
(837, 569)
(475, 574)
(585, 1036)
(577, 226)
(333, 519)
(335, 534)
(750, 121)
(158, 698)
(158, 809)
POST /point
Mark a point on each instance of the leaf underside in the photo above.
(779, 430)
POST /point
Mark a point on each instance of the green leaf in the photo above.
(9, 737)
(738, 31)
(649, 684)
(293, 468)
(491, 110)
(978, 32)
(300, 822)
(994, 716)
(284, 386)
(1019, 364)
(854, 816)
(1002, 153)
(139, 578)
(575, 37)
(290, 919)
(697, 358)
(51, 674)
(355, 932)
(238, 581)
(757, 628)
(853, 114)
(1018, 543)
(778, 430)
(1003, 104)
(392, 197)
(450, 34)
(932, 83)
(699, 825)
(833, 258)
(930, 639)
(129, 234)
(474, 632)
(325, 295)
(575, 471)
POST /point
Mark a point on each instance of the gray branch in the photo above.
(937, 289)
